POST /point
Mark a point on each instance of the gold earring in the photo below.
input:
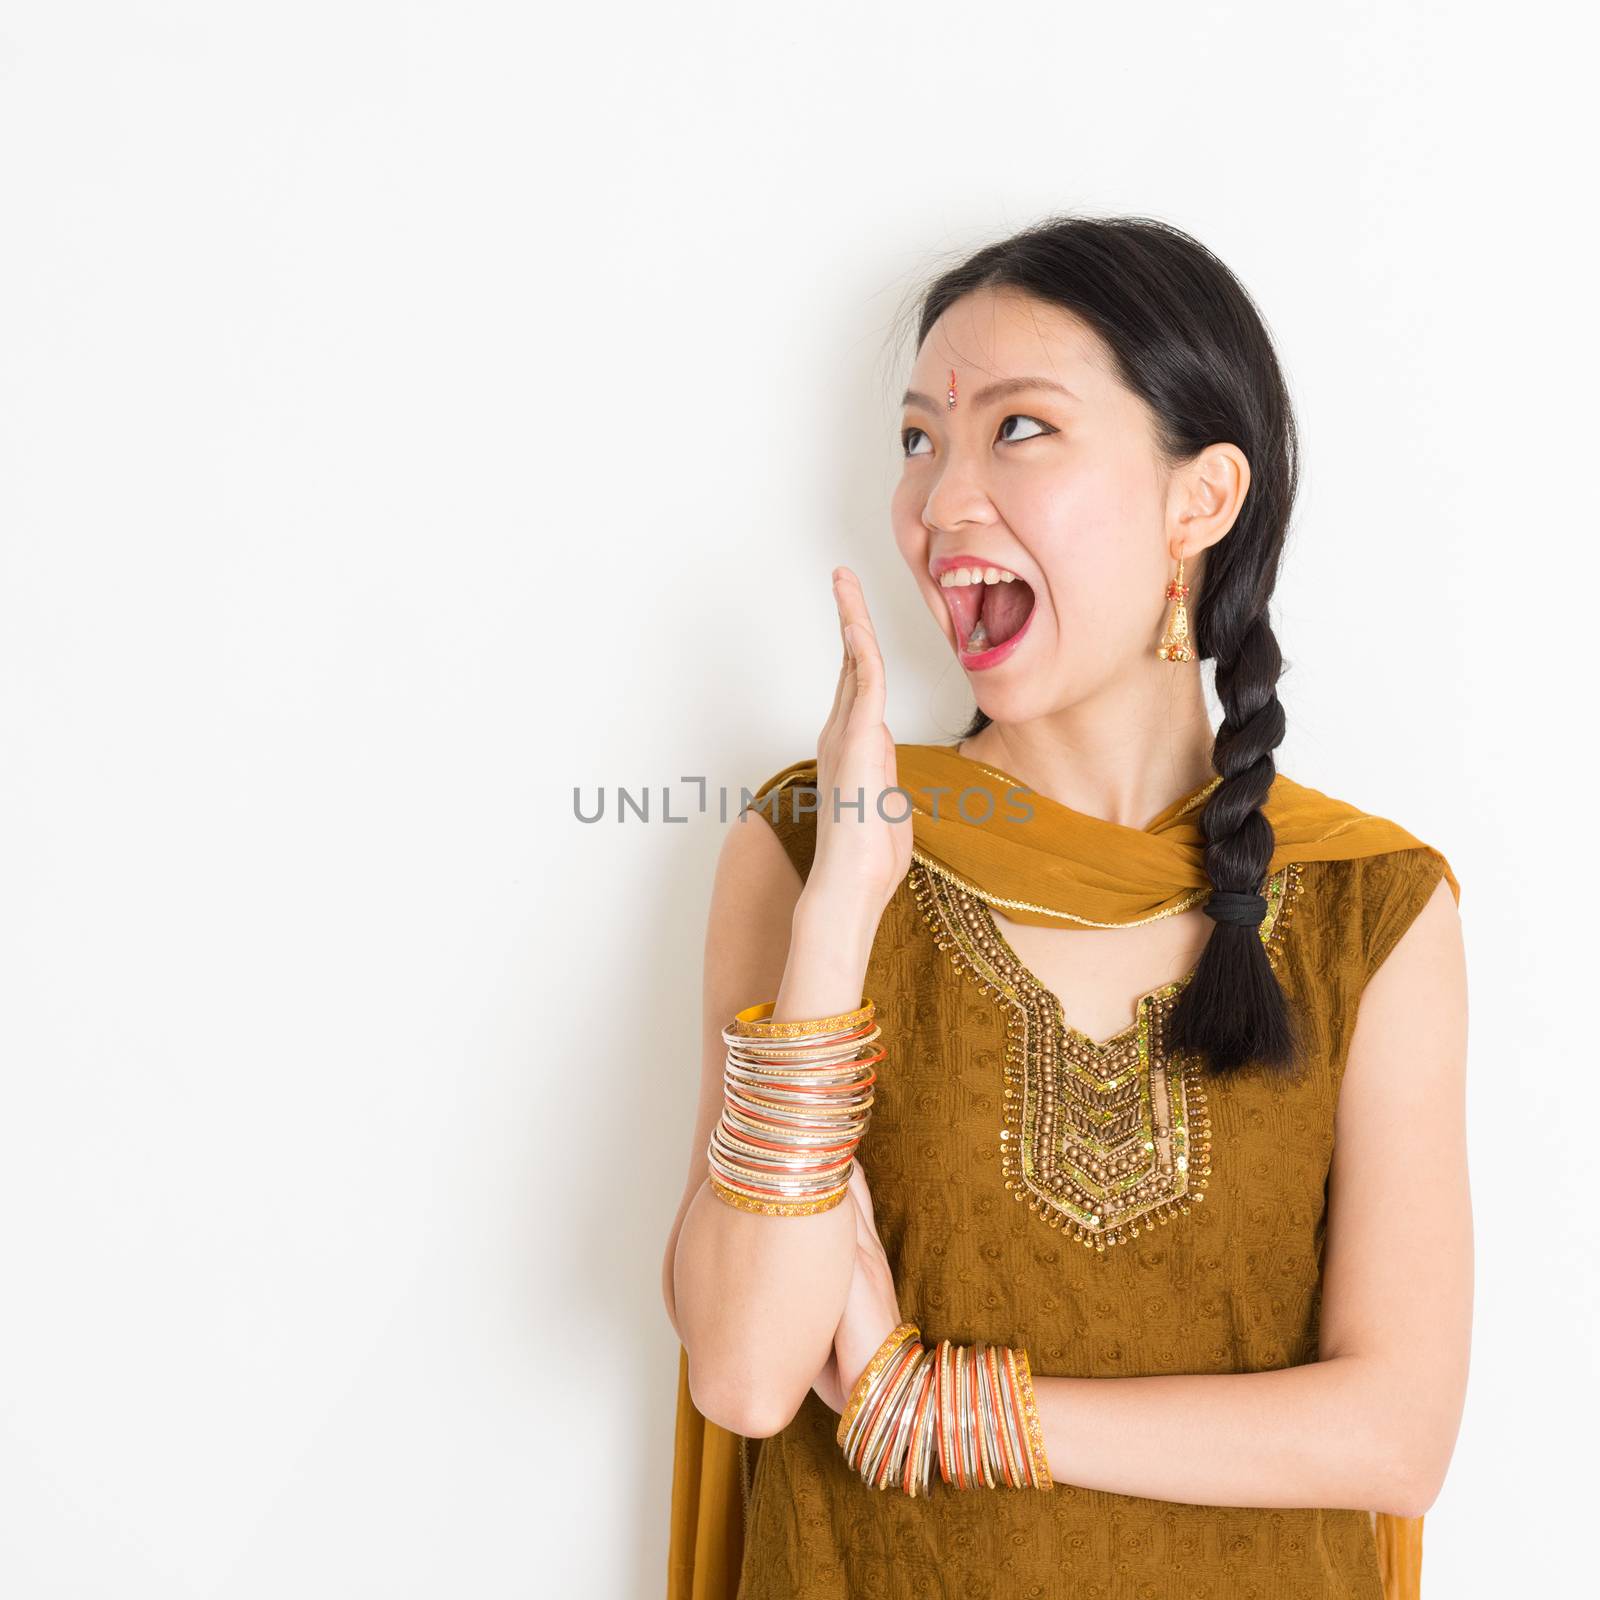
(1175, 644)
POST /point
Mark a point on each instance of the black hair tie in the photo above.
(1243, 910)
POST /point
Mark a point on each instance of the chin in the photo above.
(1016, 703)
(1028, 696)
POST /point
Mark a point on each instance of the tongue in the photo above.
(1004, 608)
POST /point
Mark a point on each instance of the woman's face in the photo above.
(1063, 489)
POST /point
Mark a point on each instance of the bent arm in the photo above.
(1370, 1425)
(756, 1299)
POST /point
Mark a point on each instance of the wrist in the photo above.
(854, 1355)
(827, 968)
(844, 919)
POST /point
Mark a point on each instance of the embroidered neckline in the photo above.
(1101, 1137)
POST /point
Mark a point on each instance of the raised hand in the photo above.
(861, 858)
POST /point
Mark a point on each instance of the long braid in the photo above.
(1234, 1009)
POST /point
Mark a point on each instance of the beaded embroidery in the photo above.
(1100, 1138)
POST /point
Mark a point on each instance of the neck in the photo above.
(1123, 757)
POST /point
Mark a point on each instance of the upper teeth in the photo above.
(961, 575)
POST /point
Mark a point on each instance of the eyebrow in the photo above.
(993, 391)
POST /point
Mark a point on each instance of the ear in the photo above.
(1204, 499)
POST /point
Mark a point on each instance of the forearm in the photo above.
(757, 1298)
(1332, 1433)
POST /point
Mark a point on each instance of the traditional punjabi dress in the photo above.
(1099, 1203)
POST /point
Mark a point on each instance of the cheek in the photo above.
(910, 534)
(1098, 553)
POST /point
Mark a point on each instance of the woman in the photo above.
(1112, 965)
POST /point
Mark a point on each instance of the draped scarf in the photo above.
(1037, 861)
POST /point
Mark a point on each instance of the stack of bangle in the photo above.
(797, 1096)
(971, 1407)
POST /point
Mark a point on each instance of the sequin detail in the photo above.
(1101, 1138)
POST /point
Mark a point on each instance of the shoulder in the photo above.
(762, 863)
(1361, 908)
(1394, 890)
(786, 803)
(1381, 876)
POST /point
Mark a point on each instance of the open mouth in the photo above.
(988, 605)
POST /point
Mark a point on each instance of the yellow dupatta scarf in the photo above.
(1041, 862)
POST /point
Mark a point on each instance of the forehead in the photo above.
(1004, 333)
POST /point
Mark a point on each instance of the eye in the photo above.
(1034, 420)
(910, 434)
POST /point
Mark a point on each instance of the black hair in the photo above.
(1188, 340)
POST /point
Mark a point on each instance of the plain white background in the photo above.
(411, 412)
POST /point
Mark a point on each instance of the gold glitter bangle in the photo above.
(963, 1430)
(776, 1208)
(863, 1385)
(947, 1397)
(755, 1022)
(874, 1423)
(1030, 1417)
(885, 1430)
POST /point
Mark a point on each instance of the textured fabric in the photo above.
(1228, 1286)
(707, 1532)
(1045, 863)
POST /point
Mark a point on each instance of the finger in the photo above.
(843, 689)
(844, 591)
(844, 696)
(869, 675)
(851, 598)
(858, 630)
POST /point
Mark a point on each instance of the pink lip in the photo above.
(982, 660)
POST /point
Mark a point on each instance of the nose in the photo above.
(960, 498)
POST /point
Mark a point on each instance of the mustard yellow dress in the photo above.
(1209, 1263)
